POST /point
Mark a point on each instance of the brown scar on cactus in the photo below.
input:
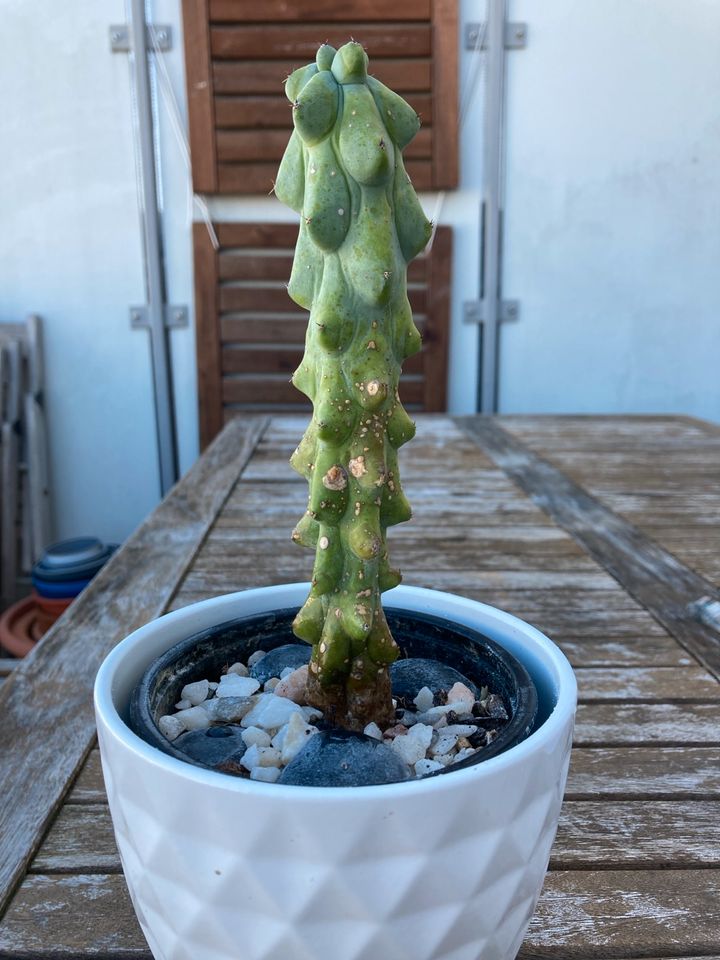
(360, 225)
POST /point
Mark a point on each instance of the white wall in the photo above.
(613, 208)
(612, 236)
(70, 250)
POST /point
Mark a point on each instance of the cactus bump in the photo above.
(360, 225)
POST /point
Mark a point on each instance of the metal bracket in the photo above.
(515, 36)
(158, 37)
(175, 317)
(473, 311)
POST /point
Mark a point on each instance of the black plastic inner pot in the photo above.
(205, 654)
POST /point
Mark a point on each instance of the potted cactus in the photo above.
(446, 862)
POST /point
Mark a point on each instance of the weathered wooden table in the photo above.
(602, 531)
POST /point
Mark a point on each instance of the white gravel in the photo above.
(255, 737)
(194, 718)
(171, 726)
(277, 724)
(271, 712)
(231, 685)
(196, 692)
(239, 669)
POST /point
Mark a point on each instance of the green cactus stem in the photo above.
(361, 224)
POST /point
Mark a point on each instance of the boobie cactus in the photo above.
(360, 225)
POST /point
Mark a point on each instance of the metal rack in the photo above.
(25, 523)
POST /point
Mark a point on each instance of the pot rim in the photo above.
(408, 598)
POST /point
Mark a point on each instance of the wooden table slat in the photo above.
(656, 578)
(49, 696)
(580, 914)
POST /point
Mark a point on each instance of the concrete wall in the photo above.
(613, 208)
(613, 197)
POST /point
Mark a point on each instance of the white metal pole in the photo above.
(490, 292)
(154, 273)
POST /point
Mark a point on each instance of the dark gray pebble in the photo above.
(233, 765)
(409, 676)
(496, 708)
(212, 745)
(339, 758)
(275, 661)
(482, 738)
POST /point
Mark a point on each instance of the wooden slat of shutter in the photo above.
(247, 11)
(250, 335)
(300, 41)
(445, 94)
(238, 53)
(201, 109)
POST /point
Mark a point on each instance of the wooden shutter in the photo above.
(238, 52)
(250, 334)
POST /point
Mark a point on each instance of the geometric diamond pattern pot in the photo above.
(445, 868)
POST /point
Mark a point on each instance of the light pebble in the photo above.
(460, 729)
(460, 693)
(434, 714)
(445, 743)
(424, 700)
(271, 712)
(409, 718)
(265, 774)
(195, 692)
(213, 685)
(286, 672)
(297, 734)
(294, 684)
(229, 709)
(254, 736)
(279, 739)
(194, 718)
(374, 731)
(171, 726)
(182, 705)
(424, 767)
(421, 734)
(255, 657)
(256, 756)
(239, 669)
(409, 749)
(463, 754)
(444, 758)
(269, 685)
(231, 685)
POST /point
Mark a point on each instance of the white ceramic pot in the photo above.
(447, 867)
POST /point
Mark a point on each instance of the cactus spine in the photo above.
(361, 223)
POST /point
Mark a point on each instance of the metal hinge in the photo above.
(175, 317)
(515, 36)
(473, 311)
(158, 37)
